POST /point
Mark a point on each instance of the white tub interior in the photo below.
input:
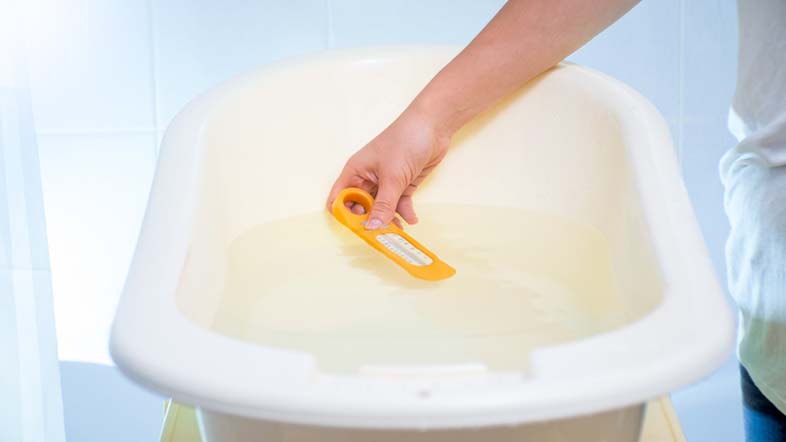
(548, 166)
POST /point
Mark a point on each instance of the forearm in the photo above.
(524, 39)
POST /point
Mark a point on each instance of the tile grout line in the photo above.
(152, 52)
(329, 38)
(95, 131)
(681, 85)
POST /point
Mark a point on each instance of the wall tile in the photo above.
(199, 43)
(89, 63)
(102, 405)
(710, 58)
(711, 410)
(642, 50)
(709, 80)
(359, 22)
(95, 192)
(703, 145)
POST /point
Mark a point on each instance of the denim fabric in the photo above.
(763, 422)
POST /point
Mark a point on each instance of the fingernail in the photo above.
(373, 224)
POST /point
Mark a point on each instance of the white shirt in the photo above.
(758, 114)
(754, 175)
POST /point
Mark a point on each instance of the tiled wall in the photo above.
(108, 75)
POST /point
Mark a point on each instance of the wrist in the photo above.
(424, 128)
(439, 113)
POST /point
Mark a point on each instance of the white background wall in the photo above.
(108, 75)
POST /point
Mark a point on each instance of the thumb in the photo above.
(384, 208)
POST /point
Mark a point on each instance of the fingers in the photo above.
(391, 195)
(386, 197)
(406, 210)
(358, 209)
(350, 177)
(397, 222)
(384, 208)
(342, 182)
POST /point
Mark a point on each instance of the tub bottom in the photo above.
(621, 425)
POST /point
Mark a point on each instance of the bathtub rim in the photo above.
(288, 391)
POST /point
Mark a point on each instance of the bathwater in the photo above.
(523, 280)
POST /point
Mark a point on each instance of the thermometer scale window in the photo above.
(403, 248)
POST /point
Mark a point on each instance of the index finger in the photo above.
(342, 182)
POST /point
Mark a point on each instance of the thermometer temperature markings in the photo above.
(403, 248)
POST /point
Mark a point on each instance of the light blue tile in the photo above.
(201, 43)
(101, 405)
(89, 63)
(95, 193)
(710, 58)
(709, 79)
(642, 50)
(359, 22)
(711, 410)
(703, 145)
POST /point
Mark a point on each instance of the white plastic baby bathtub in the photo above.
(265, 147)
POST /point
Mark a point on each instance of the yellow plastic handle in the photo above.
(434, 270)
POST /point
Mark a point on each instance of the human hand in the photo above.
(391, 166)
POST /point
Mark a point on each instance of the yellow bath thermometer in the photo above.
(392, 241)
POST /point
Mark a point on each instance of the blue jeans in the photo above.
(763, 422)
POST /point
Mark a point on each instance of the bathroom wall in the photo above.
(108, 75)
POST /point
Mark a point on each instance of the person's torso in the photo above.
(758, 114)
(754, 175)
